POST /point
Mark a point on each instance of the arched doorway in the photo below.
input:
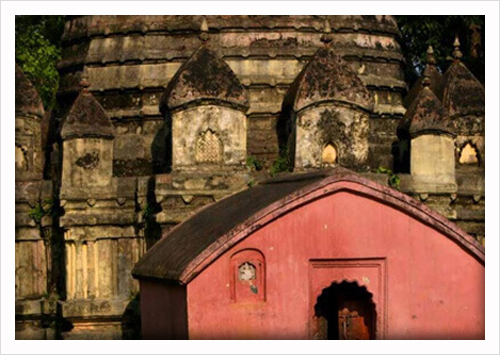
(345, 311)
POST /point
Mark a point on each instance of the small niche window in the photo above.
(468, 155)
(246, 272)
(329, 155)
(209, 148)
(247, 276)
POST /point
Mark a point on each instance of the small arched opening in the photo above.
(469, 155)
(329, 155)
(345, 311)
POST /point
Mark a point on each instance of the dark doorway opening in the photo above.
(345, 311)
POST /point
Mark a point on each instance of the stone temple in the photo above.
(160, 116)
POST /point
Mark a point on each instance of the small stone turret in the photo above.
(29, 116)
(463, 98)
(87, 135)
(328, 108)
(430, 71)
(206, 104)
(426, 128)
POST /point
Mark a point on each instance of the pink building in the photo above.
(326, 255)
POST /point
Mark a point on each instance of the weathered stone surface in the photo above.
(433, 163)
(342, 126)
(131, 59)
(460, 92)
(204, 77)
(216, 131)
(87, 162)
(29, 114)
(326, 78)
(28, 102)
(425, 115)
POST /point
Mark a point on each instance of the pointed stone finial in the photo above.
(430, 56)
(204, 30)
(426, 82)
(327, 30)
(84, 81)
(457, 53)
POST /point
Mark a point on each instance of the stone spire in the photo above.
(327, 37)
(86, 118)
(457, 53)
(431, 72)
(425, 114)
(430, 59)
(204, 30)
(459, 90)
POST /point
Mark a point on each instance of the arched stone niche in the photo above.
(468, 155)
(329, 155)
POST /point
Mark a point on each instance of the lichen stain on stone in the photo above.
(89, 161)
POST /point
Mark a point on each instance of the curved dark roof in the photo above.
(87, 118)
(196, 242)
(460, 91)
(204, 77)
(425, 115)
(327, 78)
(28, 102)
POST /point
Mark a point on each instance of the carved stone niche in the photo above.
(206, 104)
(328, 110)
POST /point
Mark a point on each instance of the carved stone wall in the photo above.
(131, 59)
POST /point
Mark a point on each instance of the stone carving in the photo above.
(209, 148)
(89, 161)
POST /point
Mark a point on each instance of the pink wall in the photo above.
(425, 286)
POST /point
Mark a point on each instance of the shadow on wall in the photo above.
(131, 320)
(161, 148)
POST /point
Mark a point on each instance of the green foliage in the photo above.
(418, 32)
(148, 212)
(38, 50)
(281, 164)
(41, 210)
(253, 163)
(393, 180)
